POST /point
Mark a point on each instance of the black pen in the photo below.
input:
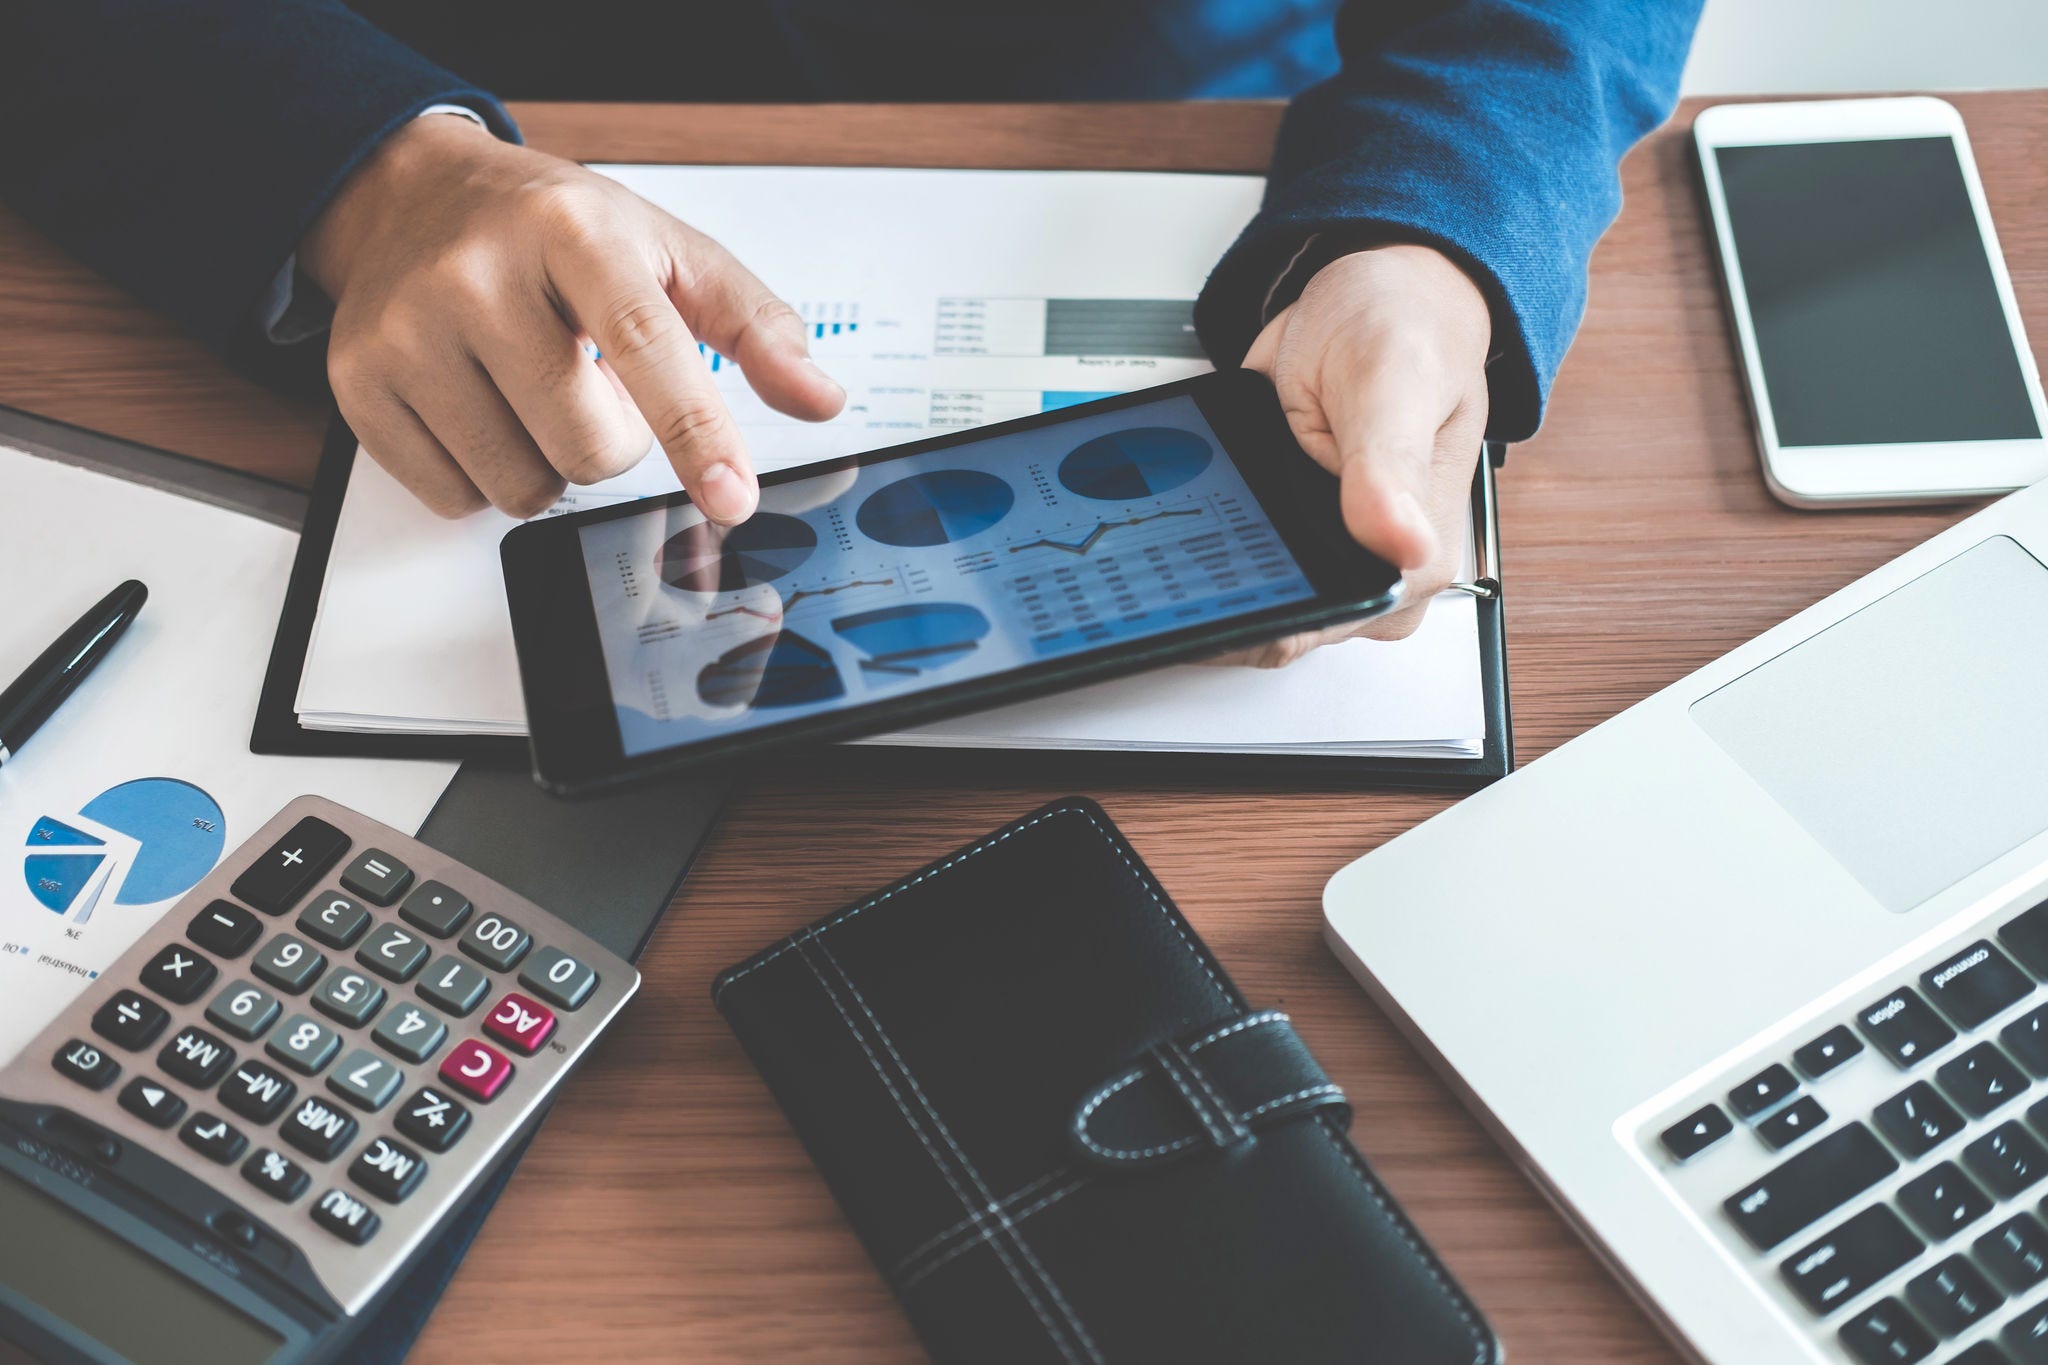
(31, 698)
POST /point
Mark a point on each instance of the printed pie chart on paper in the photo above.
(139, 843)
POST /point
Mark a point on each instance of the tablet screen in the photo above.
(864, 583)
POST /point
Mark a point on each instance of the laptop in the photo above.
(1753, 978)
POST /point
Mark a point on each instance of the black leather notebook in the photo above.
(1063, 1135)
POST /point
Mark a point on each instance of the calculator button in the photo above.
(496, 942)
(179, 974)
(411, 1032)
(559, 979)
(432, 1119)
(86, 1064)
(346, 1216)
(152, 1101)
(1975, 984)
(438, 909)
(392, 952)
(196, 1057)
(365, 1080)
(318, 1129)
(276, 1175)
(477, 1071)
(303, 1044)
(520, 1023)
(213, 1138)
(243, 1010)
(1827, 1052)
(288, 963)
(390, 1170)
(377, 877)
(1791, 1123)
(1761, 1091)
(130, 1019)
(257, 1092)
(454, 985)
(1903, 1027)
(225, 928)
(334, 919)
(348, 997)
(1917, 1119)
(289, 867)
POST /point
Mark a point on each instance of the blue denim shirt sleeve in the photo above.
(183, 149)
(1490, 129)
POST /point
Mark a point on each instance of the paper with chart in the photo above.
(942, 300)
(143, 778)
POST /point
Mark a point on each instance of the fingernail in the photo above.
(723, 494)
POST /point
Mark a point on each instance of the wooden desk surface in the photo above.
(666, 1212)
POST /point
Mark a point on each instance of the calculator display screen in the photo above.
(863, 584)
(84, 1275)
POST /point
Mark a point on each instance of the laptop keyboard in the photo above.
(1886, 1180)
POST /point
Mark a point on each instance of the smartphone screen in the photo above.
(1876, 314)
(862, 583)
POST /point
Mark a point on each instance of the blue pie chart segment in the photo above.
(905, 641)
(55, 879)
(707, 558)
(1124, 466)
(48, 833)
(783, 669)
(935, 508)
(180, 831)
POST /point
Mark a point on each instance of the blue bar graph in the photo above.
(1066, 398)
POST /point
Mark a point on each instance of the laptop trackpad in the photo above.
(1910, 739)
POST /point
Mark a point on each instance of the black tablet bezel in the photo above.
(574, 736)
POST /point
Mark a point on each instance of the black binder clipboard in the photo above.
(278, 731)
(611, 865)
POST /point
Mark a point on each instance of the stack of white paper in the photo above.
(941, 299)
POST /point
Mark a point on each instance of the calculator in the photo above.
(241, 1133)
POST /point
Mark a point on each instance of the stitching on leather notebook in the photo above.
(981, 1235)
(965, 1203)
(1052, 1287)
(938, 1239)
(1234, 1129)
(1169, 1065)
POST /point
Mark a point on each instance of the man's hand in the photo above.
(469, 279)
(1381, 367)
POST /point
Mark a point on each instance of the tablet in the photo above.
(898, 586)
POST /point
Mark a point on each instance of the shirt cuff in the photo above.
(292, 308)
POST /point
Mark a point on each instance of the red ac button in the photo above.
(520, 1023)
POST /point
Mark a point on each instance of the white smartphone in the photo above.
(1880, 341)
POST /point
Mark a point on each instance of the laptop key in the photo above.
(1810, 1185)
(1886, 1334)
(2007, 1159)
(2026, 1038)
(1827, 1052)
(1975, 984)
(1791, 1123)
(1983, 1353)
(1768, 1087)
(1917, 1119)
(1944, 1201)
(1952, 1296)
(1981, 1080)
(1903, 1027)
(2015, 1252)
(2026, 1336)
(2026, 938)
(1696, 1132)
(1850, 1259)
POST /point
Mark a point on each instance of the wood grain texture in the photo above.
(666, 1212)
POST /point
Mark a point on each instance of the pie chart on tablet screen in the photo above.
(707, 558)
(138, 843)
